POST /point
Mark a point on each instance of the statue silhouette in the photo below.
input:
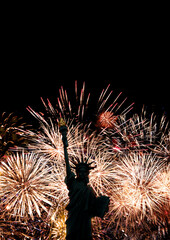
(83, 203)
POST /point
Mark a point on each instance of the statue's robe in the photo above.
(82, 207)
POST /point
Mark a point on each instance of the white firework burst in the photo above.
(26, 185)
(137, 193)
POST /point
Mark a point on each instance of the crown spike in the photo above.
(87, 160)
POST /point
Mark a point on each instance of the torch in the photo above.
(63, 131)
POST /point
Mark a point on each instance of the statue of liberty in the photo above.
(83, 204)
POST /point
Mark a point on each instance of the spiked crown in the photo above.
(82, 164)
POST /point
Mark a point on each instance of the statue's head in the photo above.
(82, 170)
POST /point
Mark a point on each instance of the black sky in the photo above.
(134, 54)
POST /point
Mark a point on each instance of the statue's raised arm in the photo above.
(83, 204)
(63, 131)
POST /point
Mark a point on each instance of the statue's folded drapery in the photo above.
(82, 207)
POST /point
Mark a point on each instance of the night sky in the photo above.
(19, 94)
(135, 58)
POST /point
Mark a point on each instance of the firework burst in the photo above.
(107, 114)
(61, 191)
(10, 135)
(58, 220)
(127, 171)
(102, 176)
(138, 133)
(26, 185)
(137, 194)
(48, 141)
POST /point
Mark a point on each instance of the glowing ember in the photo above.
(106, 120)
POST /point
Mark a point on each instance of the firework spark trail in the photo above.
(79, 110)
(73, 110)
(107, 116)
(26, 185)
(138, 133)
(127, 135)
(134, 132)
(159, 137)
